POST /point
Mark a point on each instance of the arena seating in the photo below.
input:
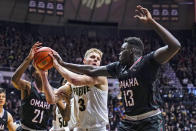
(177, 80)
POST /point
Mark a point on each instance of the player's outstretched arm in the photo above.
(16, 78)
(84, 69)
(77, 79)
(10, 124)
(52, 97)
(163, 54)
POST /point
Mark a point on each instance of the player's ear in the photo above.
(84, 60)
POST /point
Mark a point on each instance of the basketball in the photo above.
(42, 58)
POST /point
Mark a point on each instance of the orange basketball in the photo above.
(42, 58)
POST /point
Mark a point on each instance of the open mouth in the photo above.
(94, 64)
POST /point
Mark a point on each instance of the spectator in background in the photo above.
(17, 38)
(6, 119)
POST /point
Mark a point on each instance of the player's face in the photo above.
(92, 59)
(2, 99)
(126, 54)
(37, 75)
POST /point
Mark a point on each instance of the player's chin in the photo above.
(121, 61)
(2, 103)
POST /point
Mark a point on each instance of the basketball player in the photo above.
(6, 119)
(59, 123)
(90, 94)
(136, 74)
(35, 111)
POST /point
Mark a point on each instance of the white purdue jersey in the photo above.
(72, 122)
(91, 106)
(59, 124)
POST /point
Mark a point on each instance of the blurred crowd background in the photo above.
(176, 80)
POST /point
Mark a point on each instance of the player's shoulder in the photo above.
(66, 87)
(149, 58)
(8, 113)
(113, 66)
(102, 83)
(101, 78)
(116, 63)
(9, 116)
(149, 55)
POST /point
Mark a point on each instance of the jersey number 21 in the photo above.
(39, 114)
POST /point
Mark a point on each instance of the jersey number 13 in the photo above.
(128, 97)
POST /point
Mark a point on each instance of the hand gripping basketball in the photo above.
(42, 59)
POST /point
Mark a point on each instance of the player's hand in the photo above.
(57, 57)
(40, 71)
(55, 62)
(143, 14)
(34, 49)
(65, 96)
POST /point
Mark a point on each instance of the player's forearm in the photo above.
(21, 69)
(65, 112)
(49, 93)
(71, 77)
(84, 69)
(12, 127)
(166, 36)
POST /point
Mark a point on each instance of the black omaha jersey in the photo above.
(35, 111)
(136, 84)
(3, 121)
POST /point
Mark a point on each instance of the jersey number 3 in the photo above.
(82, 106)
(128, 97)
(40, 114)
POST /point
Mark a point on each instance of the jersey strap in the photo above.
(138, 60)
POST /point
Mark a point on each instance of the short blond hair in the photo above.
(93, 50)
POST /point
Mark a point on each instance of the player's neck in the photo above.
(1, 109)
(136, 58)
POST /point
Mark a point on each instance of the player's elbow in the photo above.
(14, 80)
(174, 48)
(15, 84)
(75, 81)
(177, 46)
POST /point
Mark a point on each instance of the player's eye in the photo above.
(92, 56)
(98, 58)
